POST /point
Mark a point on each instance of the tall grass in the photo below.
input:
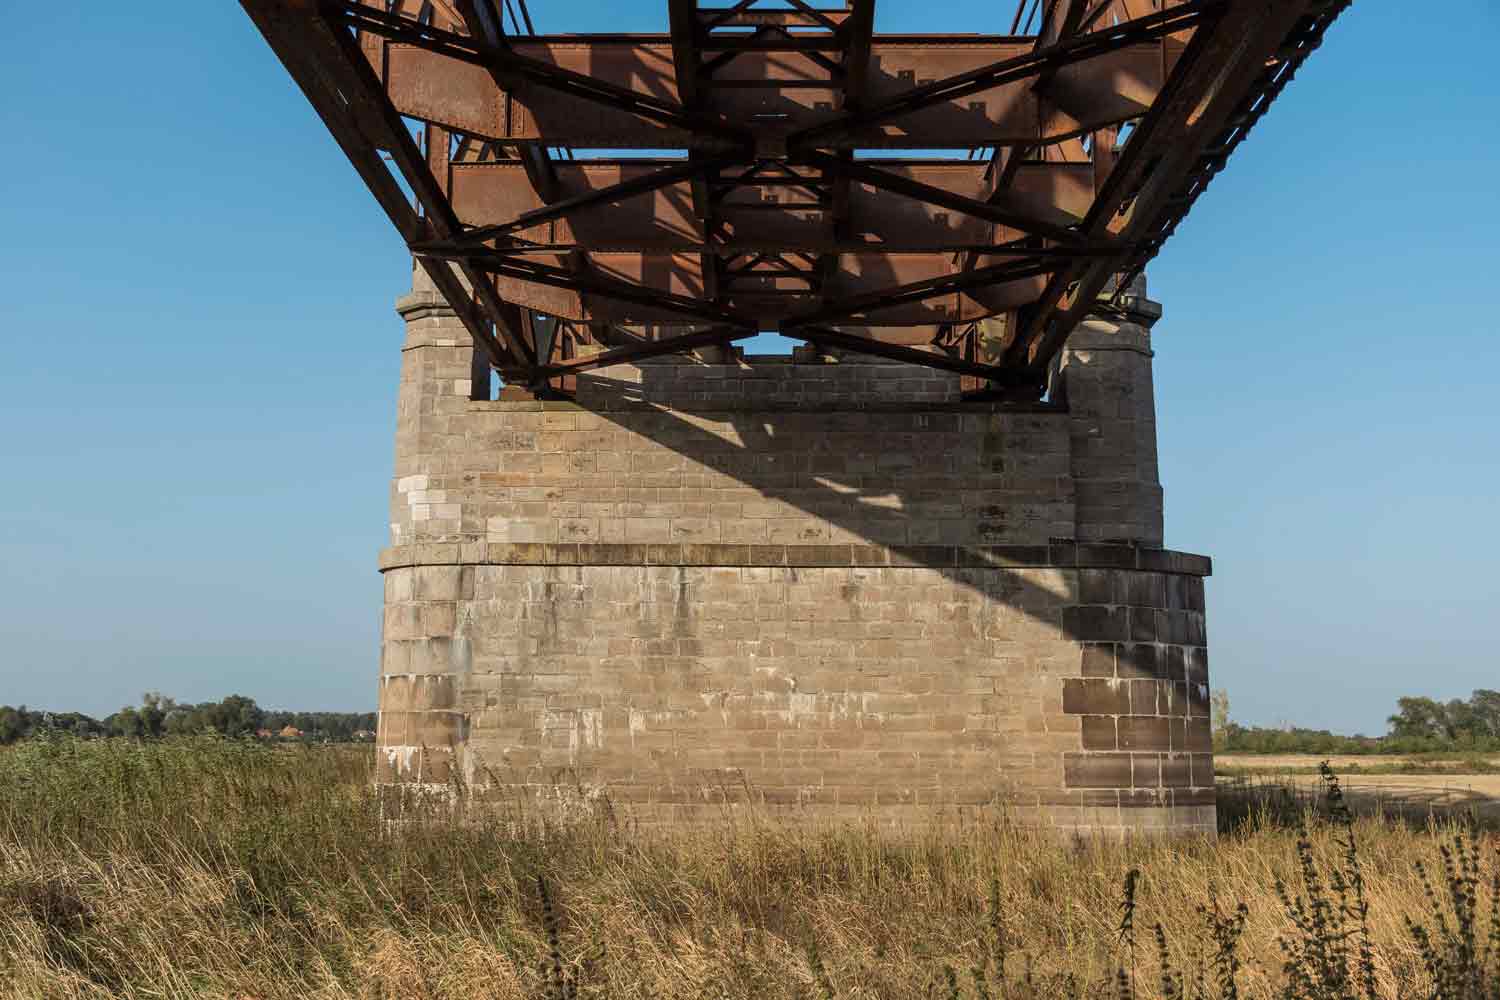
(204, 868)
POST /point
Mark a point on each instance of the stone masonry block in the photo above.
(1095, 623)
(1098, 586)
(1097, 770)
(1176, 771)
(1136, 733)
(1096, 697)
(1099, 733)
(1098, 659)
(1142, 661)
(819, 587)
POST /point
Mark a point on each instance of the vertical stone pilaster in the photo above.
(1103, 374)
(437, 368)
(424, 651)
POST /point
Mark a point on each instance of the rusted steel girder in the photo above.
(779, 94)
(346, 96)
(766, 217)
(1228, 67)
(747, 202)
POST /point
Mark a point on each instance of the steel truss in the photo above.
(1088, 139)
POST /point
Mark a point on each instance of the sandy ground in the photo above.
(1280, 762)
(1443, 792)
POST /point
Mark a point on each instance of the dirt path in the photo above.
(1402, 792)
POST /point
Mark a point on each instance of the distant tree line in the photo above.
(1420, 725)
(157, 716)
(1457, 721)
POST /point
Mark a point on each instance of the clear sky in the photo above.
(200, 362)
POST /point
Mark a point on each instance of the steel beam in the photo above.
(595, 284)
(917, 291)
(859, 37)
(669, 218)
(540, 170)
(911, 355)
(805, 235)
(1209, 80)
(990, 211)
(432, 80)
(515, 66)
(1021, 67)
(661, 178)
(1278, 73)
(712, 17)
(685, 51)
(319, 59)
(648, 349)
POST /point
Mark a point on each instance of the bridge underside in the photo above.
(953, 201)
(823, 588)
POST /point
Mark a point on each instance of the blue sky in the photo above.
(200, 361)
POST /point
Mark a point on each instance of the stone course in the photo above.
(825, 589)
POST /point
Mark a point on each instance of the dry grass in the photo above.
(208, 870)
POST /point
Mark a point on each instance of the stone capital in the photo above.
(422, 305)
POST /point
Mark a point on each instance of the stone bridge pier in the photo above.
(824, 589)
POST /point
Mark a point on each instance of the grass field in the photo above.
(208, 869)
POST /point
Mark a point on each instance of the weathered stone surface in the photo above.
(822, 588)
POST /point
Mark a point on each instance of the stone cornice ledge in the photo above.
(626, 405)
(1063, 554)
(417, 305)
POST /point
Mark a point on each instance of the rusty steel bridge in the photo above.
(954, 201)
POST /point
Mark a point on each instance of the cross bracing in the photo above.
(793, 183)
